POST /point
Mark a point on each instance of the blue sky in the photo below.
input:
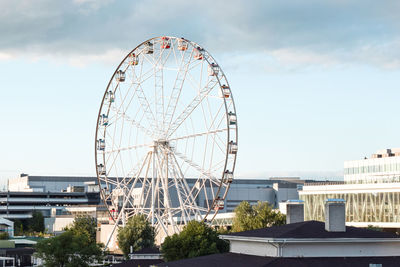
(315, 83)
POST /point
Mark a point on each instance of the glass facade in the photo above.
(393, 167)
(360, 207)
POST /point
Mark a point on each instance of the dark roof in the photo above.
(313, 229)
(239, 260)
(147, 251)
(137, 263)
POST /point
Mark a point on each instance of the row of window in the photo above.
(373, 169)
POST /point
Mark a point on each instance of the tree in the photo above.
(137, 233)
(18, 227)
(196, 239)
(261, 215)
(36, 223)
(84, 225)
(68, 250)
(4, 235)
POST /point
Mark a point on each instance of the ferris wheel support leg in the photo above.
(152, 185)
(125, 202)
(110, 236)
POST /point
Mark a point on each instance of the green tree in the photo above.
(258, 216)
(4, 235)
(84, 225)
(36, 223)
(68, 250)
(196, 239)
(137, 233)
(18, 227)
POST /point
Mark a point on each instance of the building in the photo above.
(56, 192)
(273, 190)
(371, 188)
(383, 166)
(7, 226)
(306, 243)
(61, 198)
(29, 183)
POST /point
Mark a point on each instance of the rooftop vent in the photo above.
(294, 211)
(335, 215)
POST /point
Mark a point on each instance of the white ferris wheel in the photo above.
(166, 135)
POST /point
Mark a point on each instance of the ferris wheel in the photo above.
(166, 135)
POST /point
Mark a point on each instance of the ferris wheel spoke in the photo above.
(176, 90)
(137, 124)
(192, 106)
(126, 148)
(184, 198)
(198, 134)
(189, 199)
(206, 174)
(146, 108)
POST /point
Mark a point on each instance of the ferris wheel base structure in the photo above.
(166, 136)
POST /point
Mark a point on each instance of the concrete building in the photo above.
(61, 198)
(69, 190)
(29, 183)
(371, 188)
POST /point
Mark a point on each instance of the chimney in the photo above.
(335, 215)
(294, 211)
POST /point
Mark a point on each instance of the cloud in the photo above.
(293, 32)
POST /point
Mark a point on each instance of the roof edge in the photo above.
(309, 240)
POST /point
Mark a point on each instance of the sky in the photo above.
(315, 82)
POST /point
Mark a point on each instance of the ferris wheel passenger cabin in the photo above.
(233, 148)
(226, 91)
(165, 42)
(103, 120)
(197, 53)
(219, 204)
(101, 145)
(120, 76)
(228, 176)
(232, 118)
(133, 59)
(213, 69)
(101, 169)
(182, 45)
(110, 96)
(148, 48)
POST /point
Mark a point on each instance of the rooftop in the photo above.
(235, 259)
(312, 229)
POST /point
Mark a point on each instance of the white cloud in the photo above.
(300, 32)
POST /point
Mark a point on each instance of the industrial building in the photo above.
(371, 188)
(61, 198)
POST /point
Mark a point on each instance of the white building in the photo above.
(371, 188)
(383, 166)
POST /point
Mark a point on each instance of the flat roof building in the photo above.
(371, 188)
(382, 166)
